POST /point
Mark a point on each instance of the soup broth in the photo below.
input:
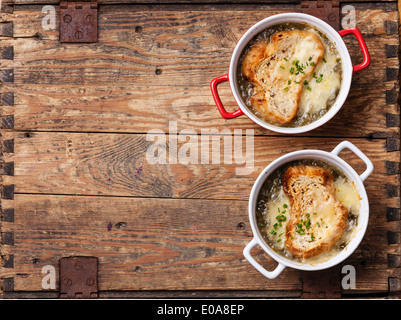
(273, 211)
(320, 89)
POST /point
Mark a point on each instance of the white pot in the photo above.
(334, 36)
(333, 159)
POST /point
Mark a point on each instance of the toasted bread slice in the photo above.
(317, 219)
(278, 71)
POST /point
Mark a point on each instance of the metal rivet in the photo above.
(67, 282)
(90, 282)
(78, 266)
(89, 18)
(332, 17)
(79, 34)
(67, 18)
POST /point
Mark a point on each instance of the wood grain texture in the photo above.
(163, 2)
(75, 176)
(80, 164)
(116, 164)
(153, 65)
(183, 244)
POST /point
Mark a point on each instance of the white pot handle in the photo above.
(359, 153)
(268, 274)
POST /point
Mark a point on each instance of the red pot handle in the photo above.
(362, 44)
(219, 104)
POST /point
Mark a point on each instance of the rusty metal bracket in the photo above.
(78, 22)
(327, 10)
(78, 278)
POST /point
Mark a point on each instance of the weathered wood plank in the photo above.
(116, 164)
(140, 240)
(124, 84)
(142, 244)
(162, 2)
(128, 76)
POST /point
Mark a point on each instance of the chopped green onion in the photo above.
(324, 60)
(286, 88)
(312, 63)
(310, 58)
(282, 67)
(285, 206)
(309, 88)
(289, 82)
(273, 232)
(292, 70)
(299, 229)
(305, 82)
(281, 218)
(285, 59)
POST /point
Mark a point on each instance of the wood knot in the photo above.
(241, 226)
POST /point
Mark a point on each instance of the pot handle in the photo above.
(219, 104)
(359, 153)
(362, 44)
(268, 274)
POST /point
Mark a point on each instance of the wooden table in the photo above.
(76, 125)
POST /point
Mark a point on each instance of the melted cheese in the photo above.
(345, 193)
(324, 93)
(275, 208)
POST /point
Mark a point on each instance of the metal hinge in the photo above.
(327, 10)
(78, 22)
(78, 278)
